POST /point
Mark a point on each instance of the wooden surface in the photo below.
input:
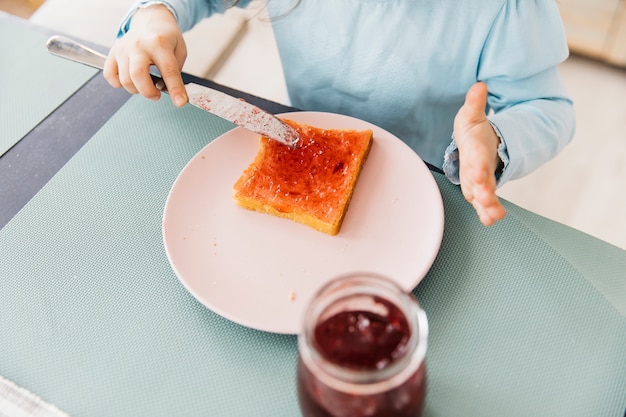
(596, 28)
(21, 8)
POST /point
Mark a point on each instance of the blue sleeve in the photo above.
(532, 112)
(186, 12)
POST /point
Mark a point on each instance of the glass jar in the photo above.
(362, 351)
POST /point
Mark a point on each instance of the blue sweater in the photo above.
(405, 65)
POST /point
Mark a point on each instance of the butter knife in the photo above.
(210, 100)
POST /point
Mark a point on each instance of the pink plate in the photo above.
(259, 270)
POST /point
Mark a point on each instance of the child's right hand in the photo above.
(154, 38)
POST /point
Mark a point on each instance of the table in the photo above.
(526, 318)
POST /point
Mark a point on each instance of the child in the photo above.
(483, 72)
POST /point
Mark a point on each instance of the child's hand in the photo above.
(154, 38)
(478, 156)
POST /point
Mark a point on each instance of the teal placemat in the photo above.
(527, 318)
(93, 319)
(32, 83)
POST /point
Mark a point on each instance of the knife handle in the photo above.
(70, 49)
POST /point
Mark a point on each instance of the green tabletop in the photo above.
(527, 318)
(32, 83)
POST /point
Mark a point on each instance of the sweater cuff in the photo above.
(451, 160)
(125, 25)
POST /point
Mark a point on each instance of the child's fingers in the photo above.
(169, 68)
(139, 71)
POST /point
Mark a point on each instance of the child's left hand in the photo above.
(477, 143)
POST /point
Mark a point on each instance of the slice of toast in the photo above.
(311, 184)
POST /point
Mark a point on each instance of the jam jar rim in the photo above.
(374, 381)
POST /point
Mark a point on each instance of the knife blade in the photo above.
(227, 107)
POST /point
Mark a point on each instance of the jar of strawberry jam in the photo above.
(362, 351)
